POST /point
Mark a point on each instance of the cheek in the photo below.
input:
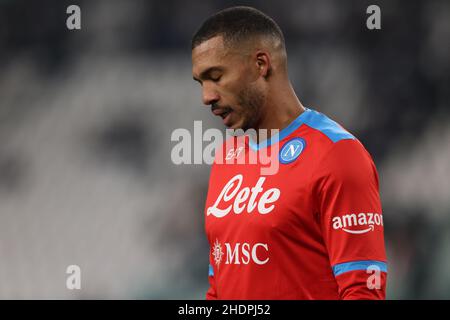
(235, 86)
(231, 97)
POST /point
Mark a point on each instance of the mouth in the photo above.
(226, 118)
(224, 114)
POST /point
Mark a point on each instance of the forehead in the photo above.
(210, 52)
(211, 47)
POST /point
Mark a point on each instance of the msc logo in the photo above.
(217, 253)
(291, 150)
(241, 253)
(349, 221)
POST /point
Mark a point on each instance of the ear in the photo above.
(263, 63)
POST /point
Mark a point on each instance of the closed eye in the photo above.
(213, 74)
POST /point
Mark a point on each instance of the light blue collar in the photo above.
(294, 125)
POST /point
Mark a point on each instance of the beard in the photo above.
(251, 100)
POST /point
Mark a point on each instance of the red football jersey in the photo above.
(312, 230)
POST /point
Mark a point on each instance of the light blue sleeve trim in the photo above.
(341, 268)
(211, 271)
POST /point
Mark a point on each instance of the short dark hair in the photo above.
(237, 24)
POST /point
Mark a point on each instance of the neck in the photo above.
(281, 109)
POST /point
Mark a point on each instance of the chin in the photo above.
(237, 126)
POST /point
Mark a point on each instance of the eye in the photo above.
(216, 78)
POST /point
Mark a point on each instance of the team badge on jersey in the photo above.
(291, 150)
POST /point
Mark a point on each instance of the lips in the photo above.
(222, 112)
(226, 118)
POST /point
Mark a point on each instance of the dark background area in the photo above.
(86, 118)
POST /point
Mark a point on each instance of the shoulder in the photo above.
(340, 154)
(325, 126)
(331, 143)
(346, 166)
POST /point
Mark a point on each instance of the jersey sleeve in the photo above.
(350, 216)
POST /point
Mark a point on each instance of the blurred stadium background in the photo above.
(86, 118)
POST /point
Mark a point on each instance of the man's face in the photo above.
(229, 82)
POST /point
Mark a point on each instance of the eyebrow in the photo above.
(206, 73)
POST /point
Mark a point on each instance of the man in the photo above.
(313, 230)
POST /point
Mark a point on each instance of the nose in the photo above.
(209, 95)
